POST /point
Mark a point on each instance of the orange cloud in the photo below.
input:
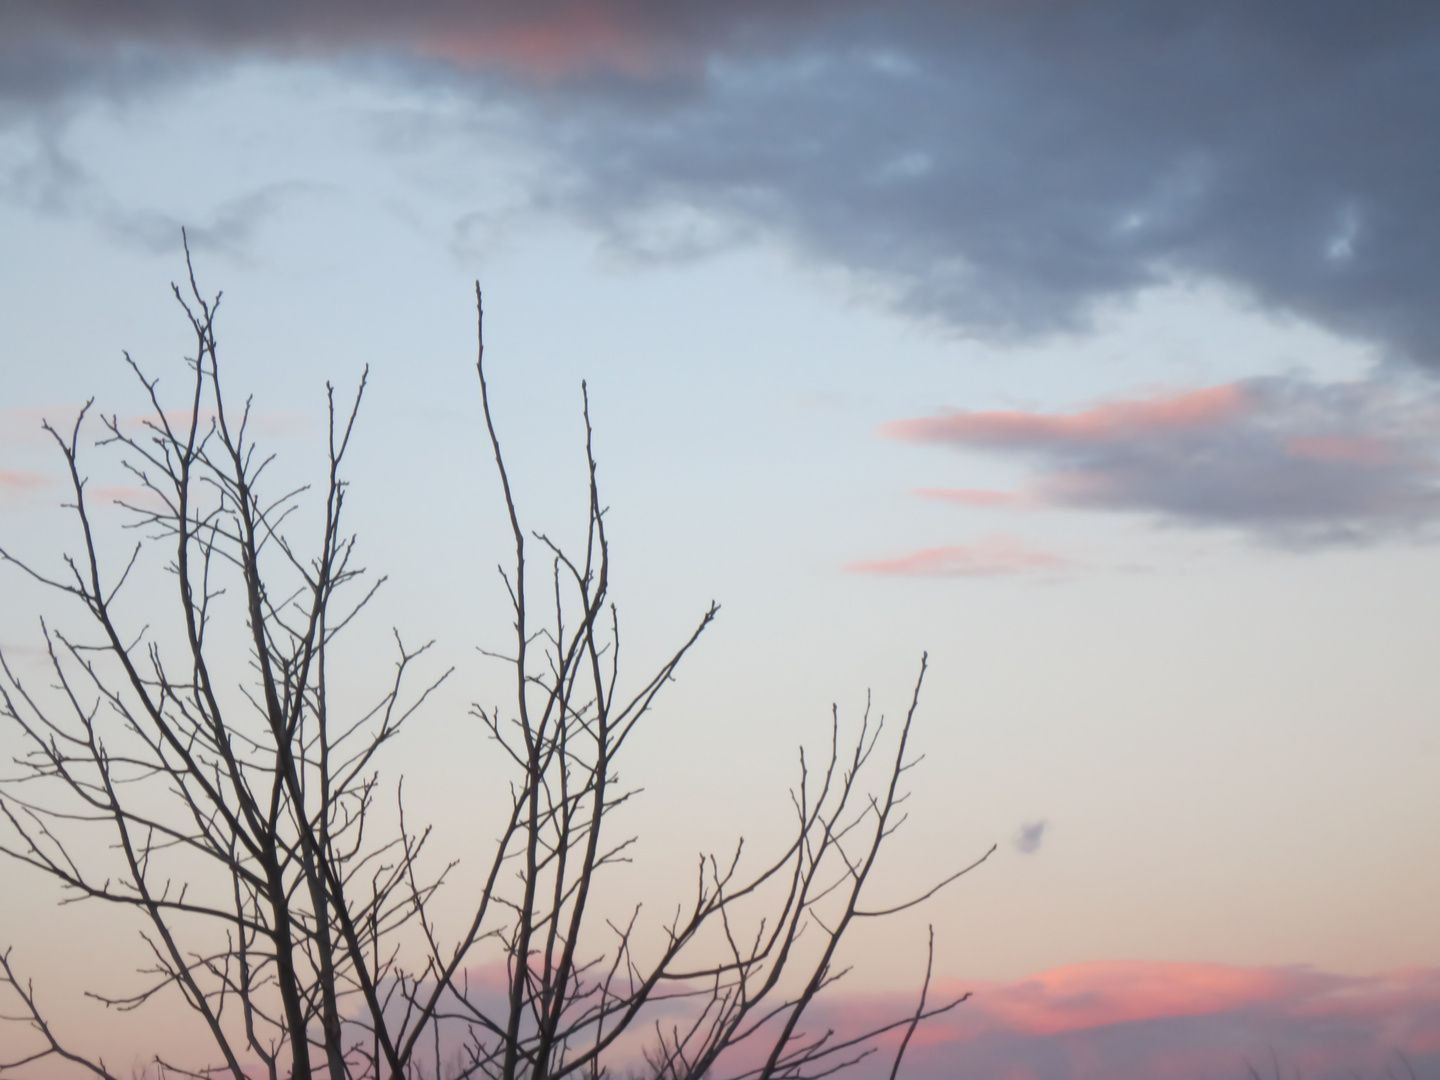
(1110, 422)
(991, 557)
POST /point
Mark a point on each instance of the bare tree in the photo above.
(293, 914)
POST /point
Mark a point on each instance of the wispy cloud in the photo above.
(1112, 422)
(39, 173)
(22, 426)
(1284, 459)
(128, 496)
(993, 556)
(22, 479)
(274, 423)
(983, 498)
(51, 183)
(230, 227)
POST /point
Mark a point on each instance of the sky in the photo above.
(1090, 347)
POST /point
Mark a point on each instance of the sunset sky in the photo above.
(1090, 346)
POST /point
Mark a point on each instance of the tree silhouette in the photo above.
(238, 804)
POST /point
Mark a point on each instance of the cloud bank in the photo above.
(1283, 459)
(1129, 1020)
(999, 167)
(1132, 1020)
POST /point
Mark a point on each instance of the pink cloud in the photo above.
(178, 419)
(1123, 1020)
(1111, 422)
(983, 498)
(137, 498)
(1287, 460)
(1136, 1020)
(543, 40)
(267, 423)
(574, 37)
(991, 557)
(22, 426)
(1116, 992)
(22, 479)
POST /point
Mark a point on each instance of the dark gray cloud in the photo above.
(1029, 837)
(1003, 168)
(999, 167)
(55, 48)
(1286, 460)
